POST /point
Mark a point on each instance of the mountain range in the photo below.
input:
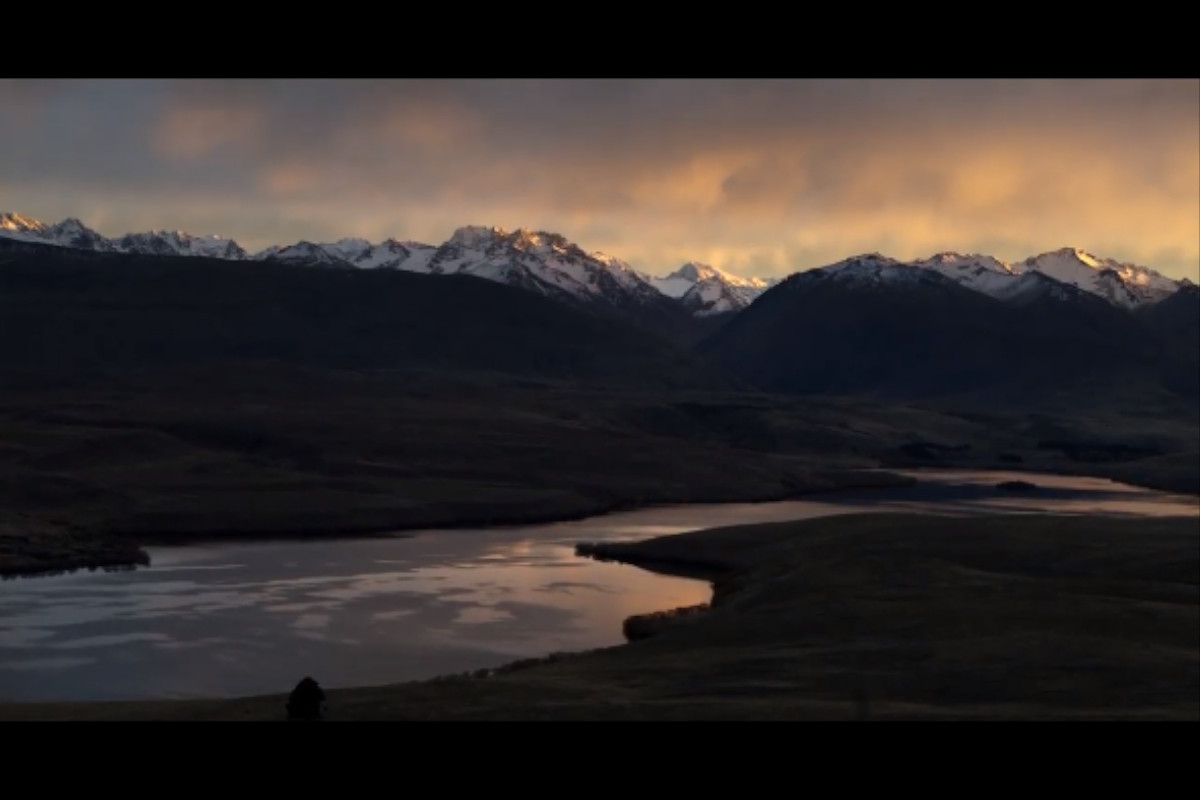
(1062, 324)
(871, 324)
(551, 265)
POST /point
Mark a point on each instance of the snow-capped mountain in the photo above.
(73, 233)
(1060, 274)
(388, 254)
(535, 260)
(870, 268)
(68, 233)
(550, 264)
(713, 296)
(18, 226)
(1126, 285)
(979, 272)
(300, 253)
(543, 262)
(705, 290)
(178, 243)
(875, 271)
(1034, 285)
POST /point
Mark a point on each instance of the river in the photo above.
(247, 618)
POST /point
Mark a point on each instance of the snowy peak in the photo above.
(713, 295)
(551, 264)
(1068, 264)
(1125, 285)
(696, 272)
(493, 240)
(476, 237)
(72, 233)
(353, 252)
(974, 271)
(68, 233)
(706, 290)
(951, 264)
(178, 243)
(19, 223)
(393, 254)
(540, 241)
(541, 261)
(870, 268)
(302, 252)
(873, 271)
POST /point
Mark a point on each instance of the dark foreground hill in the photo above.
(1177, 320)
(916, 334)
(70, 312)
(1177, 316)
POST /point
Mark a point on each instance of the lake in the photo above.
(245, 618)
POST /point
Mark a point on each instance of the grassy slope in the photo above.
(880, 617)
(263, 449)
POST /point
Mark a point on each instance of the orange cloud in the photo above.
(194, 132)
(763, 176)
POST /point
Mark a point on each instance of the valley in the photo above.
(150, 397)
(627, 399)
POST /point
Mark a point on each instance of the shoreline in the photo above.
(756, 651)
(115, 554)
(118, 550)
(1112, 473)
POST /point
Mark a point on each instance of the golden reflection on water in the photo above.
(254, 617)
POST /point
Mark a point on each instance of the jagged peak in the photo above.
(472, 235)
(407, 244)
(696, 271)
(1073, 253)
(517, 236)
(13, 221)
(873, 259)
(611, 261)
(179, 236)
(950, 257)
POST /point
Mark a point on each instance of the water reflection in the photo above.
(235, 620)
(253, 618)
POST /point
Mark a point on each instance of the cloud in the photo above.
(195, 132)
(768, 176)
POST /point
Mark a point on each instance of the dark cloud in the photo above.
(758, 174)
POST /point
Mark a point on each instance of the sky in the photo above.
(759, 177)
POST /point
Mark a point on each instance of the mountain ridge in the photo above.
(550, 264)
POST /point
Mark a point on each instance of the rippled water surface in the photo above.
(233, 619)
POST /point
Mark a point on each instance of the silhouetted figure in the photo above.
(306, 701)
